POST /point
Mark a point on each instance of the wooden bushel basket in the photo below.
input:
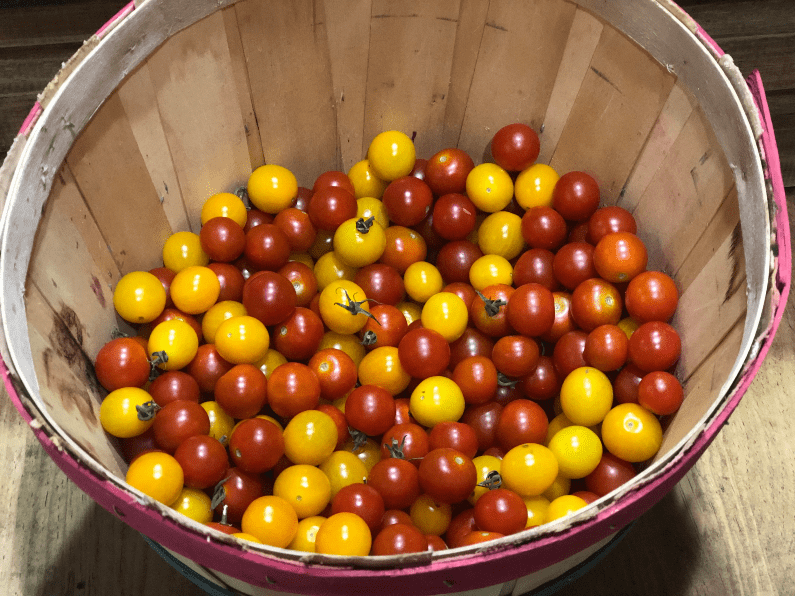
(174, 100)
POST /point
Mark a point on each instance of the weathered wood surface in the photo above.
(725, 529)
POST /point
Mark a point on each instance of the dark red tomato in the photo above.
(222, 239)
(654, 346)
(625, 386)
(397, 481)
(508, 392)
(403, 408)
(564, 321)
(303, 279)
(302, 197)
(586, 496)
(381, 283)
(242, 392)
(455, 435)
(335, 371)
(569, 353)
(454, 216)
(447, 475)
(531, 310)
(606, 348)
(576, 196)
(207, 367)
(578, 232)
(203, 460)
(483, 420)
(490, 316)
(535, 266)
(435, 543)
(424, 353)
(395, 516)
(255, 217)
(240, 490)
(269, 297)
(166, 276)
(521, 421)
(343, 432)
(418, 171)
(293, 388)
(661, 393)
(515, 355)
(608, 220)
(501, 510)
(370, 409)
(231, 280)
(122, 362)
(447, 171)
(620, 256)
(333, 178)
(471, 343)
(426, 230)
(363, 500)
(651, 296)
(596, 302)
(463, 290)
(177, 421)
(132, 447)
(298, 336)
(256, 445)
(543, 227)
(387, 327)
(573, 264)
(543, 383)
(460, 526)
(267, 248)
(455, 259)
(609, 474)
(477, 378)
(399, 539)
(298, 228)
(515, 147)
(172, 313)
(407, 441)
(407, 201)
(330, 206)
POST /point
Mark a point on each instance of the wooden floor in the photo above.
(728, 528)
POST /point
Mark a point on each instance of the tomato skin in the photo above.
(407, 200)
(471, 343)
(272, 520)
(333, 178)
(177, 421)
(495, 325)
(447, 475)
(157, 475)
(343, 433)
(502, 511)
(609, 474)
(293, 388)
(240, 489)
(397, 481)
(231, 280)
(330, 206)
(651, 296)
(515, 147)
(543, 383)
(381, 282)
(489, 187)
(535, 266)
(298, 336)
(477, 378)
(460, 526)
(596, 302)
(528, 469)
(269, 297)
(455, 435)
(455, 259)
(410, 438)
(531, 310)
(398, 539)
(203, 461)
(655, 346)
(660, 392)
(242, 392)
(267, 247)
(447, 171)
(222, 239)
(625, 385)
(607, 220)
(424, 353)
(363, 500)
(436, 399)
(404, 247)
(119, 415)
(301, 276)
(576, 196)
(543, 227)
(483, 419)
(388, 326)
(515, 355)
(207, 367)
(454, 216)
(335, 371)
(573, 264)
(521, 421)
(122, 362)
(620, 257)
(631, 432)
(606, 348)
(569, 353)
(370, 409)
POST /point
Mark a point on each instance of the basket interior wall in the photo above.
(308, 84)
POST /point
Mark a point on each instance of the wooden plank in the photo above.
(621, 97)
(29, 69)
(112, 176)
(13, 111)
(193, 79)
(744, 19)
(49, 25)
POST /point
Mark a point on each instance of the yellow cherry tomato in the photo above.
(348, 343)
(534, 186)
(391, 155)
(632, 433)
(305, 487)
(118, 412)
(365, 182)
(139, 297)
(195, 504)
(422, 280)
(310, 438)
(225, 204)
(307, 532)
(577, 449)
(628, 325)
(344, 534)
(221, 423)
(195, 289)
(157, 475)
(242, 340)
(501, 234)
(563, 506)
(272, 520)
(536, 510)
(248, 537)
(342, 469)
(372, 207)
(369, 453)
(330, 267)
(489, 187)
(343, 306)
(183, 249)
(561, 486)
(446, 314)
(484, 464)
(436, 399)
(557, 423)
(382, 367)
(489, 270)
(177, 339)
(528, 469)
(359, 242)
(411, 310)
(272, 188)
(586, 396)
(217, 314)
(270, 362)
(430, 516)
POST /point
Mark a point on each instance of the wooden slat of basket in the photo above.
(290, 78)
(621, 97)
(113, 178)
(200, 112)
(517, 64)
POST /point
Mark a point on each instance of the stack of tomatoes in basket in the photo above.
(420, 354)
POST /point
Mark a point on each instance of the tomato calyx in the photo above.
(359, 438)
(492, 481)
(363, 225)
(158, 358)
(369, 338)
(491, 306)
(397, 450)
(147, 410)
(219, 494)
(505, 381)
(355, 307)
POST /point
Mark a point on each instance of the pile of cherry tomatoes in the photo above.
(419, 354)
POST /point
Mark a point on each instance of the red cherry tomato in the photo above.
(455, 435)
(454, 216)
(447, 171)
(269, 297)
(178, 421)
(651, 296)
(303, 280)
(335, 371)
(607, 220)
(330, 206)
(596, 302)
(654, 346)
(483, 419)
(576, 196)
(231, 280)
(471, 343)
(543, 227)
(386, 328)
(455, 259)
(267, 247)
(502, 511)
(363, 500)
(573, 264)
(606, 348)
(543, 383)
(166, 276)
(564, 321)
(661, 393)
(255, 217)
(406, 440)
(515, 147)
(299, 335)
(207, 367)
(424, 353)
(122, 362)
(447, 475)
(381, 282)
(521, 421)
(396, 480)
(490, 315)
(620, 256)
(293, 388)
(569, 352)
(398, 539)
(407, 200)
(298, 228)
(531, 310)
(461, 289)
(256, 445)
(535, 265)
(203, 460)
(477, 378)
(625, 385)
(333, 178)
(242, 392)
(609, 474)
(515, 355)
(222, 239)
(460, 526)
(240, 489)
(370, 409)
